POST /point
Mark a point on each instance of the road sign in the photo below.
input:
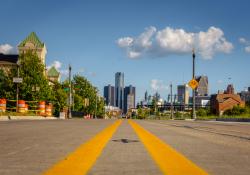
(193, 83)
(66, 89)
(17, 80)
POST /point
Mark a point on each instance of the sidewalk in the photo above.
(7, 118)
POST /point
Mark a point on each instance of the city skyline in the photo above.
(126, 42)
(120, 95)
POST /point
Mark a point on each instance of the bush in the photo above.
(202, 112)
(236, 110)
(178, 115)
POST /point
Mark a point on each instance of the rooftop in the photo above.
(52, 72)
(9, 58)
(33, 38)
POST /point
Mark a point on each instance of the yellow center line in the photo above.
(169, 160)
(84, 157)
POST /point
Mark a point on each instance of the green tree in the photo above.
(33, 73)
(85, 90)
(59, 98)
(7, 87)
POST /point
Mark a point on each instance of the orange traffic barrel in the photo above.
(2, 105)
(41, 107)
(26, 107)
(21, 106)
(48, 110)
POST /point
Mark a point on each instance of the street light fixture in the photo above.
(193, 111)
(17, 85)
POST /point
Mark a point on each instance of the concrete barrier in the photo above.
(5, 118)
(233, 119)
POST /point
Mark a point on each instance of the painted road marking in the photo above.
(84, 157)
(169, 160)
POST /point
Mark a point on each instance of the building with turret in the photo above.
(33, 43)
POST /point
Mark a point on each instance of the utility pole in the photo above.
(17, 86)
(193, 111)
(171, 100)
(70, 92)
(95, 105)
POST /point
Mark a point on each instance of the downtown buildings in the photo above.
(119, 95)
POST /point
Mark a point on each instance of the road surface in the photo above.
(124, 147)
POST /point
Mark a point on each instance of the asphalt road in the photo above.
(32, 147)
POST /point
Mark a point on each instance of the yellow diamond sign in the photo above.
(193, 83)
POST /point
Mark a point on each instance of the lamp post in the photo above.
(193, 76)
(70, 92)
(17, 86)
(171, 101)
(96, 103)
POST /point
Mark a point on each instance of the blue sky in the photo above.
(148, 40)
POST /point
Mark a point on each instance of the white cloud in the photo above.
(246, 43)
(158, 85)
(247, 49)
(136, 46)
(219, 81)
(64, 72)
(56, 64)
(125, 42)
(243, 40)
(7, 49)
(175, 41)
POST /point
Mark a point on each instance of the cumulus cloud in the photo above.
(7, 49)
(158, 85)
(247, 49)
(246, 43)
(56, 64)
(59, 67)
(243, 40)
(64, 72)
(175, 41)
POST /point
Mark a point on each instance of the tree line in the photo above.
(36, 87)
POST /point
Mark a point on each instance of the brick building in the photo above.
(225, 101)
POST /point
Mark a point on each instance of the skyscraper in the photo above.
(119, 90)
(109, 95)
(182, 94)
(202, 89)
(129, 98)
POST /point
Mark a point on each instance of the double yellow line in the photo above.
(82, 159)
(169, 160)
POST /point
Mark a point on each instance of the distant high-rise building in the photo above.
(129, 98)
(230, 89)
(146, 96)
(202, 89)
(109, 95)
(182, 94)
(119, 90)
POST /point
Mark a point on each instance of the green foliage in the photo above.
(143, 113)
(85, 90)
(33, 73)
(59, 98)
(236, 110)
(7, 87)
(202, 112)
(178, 115)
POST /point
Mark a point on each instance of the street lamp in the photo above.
(96, 103)
(193, 111)
(17, 86)
(70, 92)
(171, 101)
